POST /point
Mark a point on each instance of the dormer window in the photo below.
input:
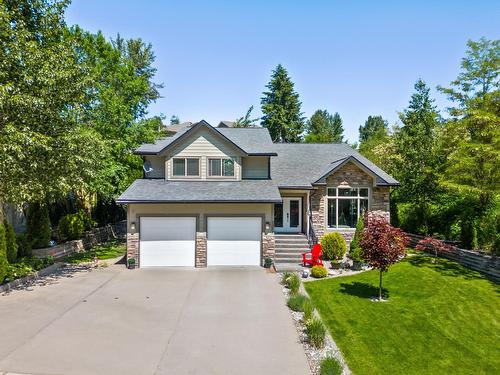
(186, 167)
(221, 167)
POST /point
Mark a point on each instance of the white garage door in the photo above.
(233, 241)
(167, 241)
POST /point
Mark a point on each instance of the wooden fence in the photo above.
(489, 265)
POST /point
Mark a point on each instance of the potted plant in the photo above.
(268, 262)
(131, 263)
(334, 248)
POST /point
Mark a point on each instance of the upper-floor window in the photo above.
(186, 167)
(345, 205)
(221, 167)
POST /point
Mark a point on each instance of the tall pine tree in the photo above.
(324, 127)
(472, 143)
(373, 134)
(281, 108)
(417, 147)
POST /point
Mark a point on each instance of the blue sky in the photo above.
(357, 58)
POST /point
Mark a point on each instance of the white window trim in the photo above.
(337, 197)
(185, 167)
(209, 175)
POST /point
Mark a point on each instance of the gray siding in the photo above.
(255, 167)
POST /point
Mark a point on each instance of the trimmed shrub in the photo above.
(308, 309)
(38, 226)
(296, 302)
(293, 283)
(3, 254)
(23, 245)
(316, 332)
(11, 242)
(334, 246)
(330, 366)
(72, 226)
(319, 272)
(355, 250)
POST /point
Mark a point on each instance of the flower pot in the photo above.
(336, 265)
(357, 266)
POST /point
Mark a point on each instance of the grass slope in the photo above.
(440, 318)
(107, 250)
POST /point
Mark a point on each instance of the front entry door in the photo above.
(288, 215)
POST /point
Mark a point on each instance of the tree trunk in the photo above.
(380, 287)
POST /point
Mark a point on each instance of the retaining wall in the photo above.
(90, 238)
(489, 265)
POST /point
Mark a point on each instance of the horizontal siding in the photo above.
(158, 164)
(205, 145)
(255, 167)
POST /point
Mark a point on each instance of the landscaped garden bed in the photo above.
(102, 252)
(439, 318)
(321, 352)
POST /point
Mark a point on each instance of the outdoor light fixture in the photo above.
(132, 227)
(268, 226)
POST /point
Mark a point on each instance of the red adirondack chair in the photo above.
(313, 257)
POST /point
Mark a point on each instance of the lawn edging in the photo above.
(337, 354)
(34, 276)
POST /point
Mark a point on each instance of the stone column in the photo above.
(201, 249)
(133, 247)
(268, 247)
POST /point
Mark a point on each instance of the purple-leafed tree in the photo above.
(382, 244)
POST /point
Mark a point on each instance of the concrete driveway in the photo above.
(151, 321)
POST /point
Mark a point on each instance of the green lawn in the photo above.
(440, 318)
(108, 250)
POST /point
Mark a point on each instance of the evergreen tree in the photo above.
(472, 140)
(3, 254)
(246, 121)
(38, 225)
(324, 127)
(372, 136)
(281, 108)
(375, 126)
(11, 242)
(174, 120)
(417, 149)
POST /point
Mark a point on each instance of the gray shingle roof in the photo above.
(303, 164)
(157, 191)
(253, 141)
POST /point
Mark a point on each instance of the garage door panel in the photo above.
(246, 228)
(233, 241)
(233, 253)
(167, 241)
(167, 228)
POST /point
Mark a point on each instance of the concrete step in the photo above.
(291, 242)
(292, 246)
(291, 251)
(290, 235)
(278, 259)
(289, 256)
(288, 267)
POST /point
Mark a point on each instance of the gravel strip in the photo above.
(314, 355)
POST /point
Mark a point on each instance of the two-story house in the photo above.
(226, 196)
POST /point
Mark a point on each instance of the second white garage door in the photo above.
(233, 241)
(167, 241)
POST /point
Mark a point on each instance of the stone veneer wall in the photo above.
(133, 247)
(268, 245)
(201, 249)
(349, 175)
